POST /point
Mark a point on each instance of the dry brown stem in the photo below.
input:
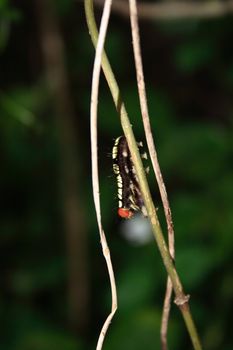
(154, 159)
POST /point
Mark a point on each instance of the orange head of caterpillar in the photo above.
(125, 213)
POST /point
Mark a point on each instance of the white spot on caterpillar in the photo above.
(131, 186)
(114, 152)
(119, 178)
(126, 169)
(115, 148)
(116, 169)
(131, 198)
(125, 154)
(119, 193)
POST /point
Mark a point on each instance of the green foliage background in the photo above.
(189, 74)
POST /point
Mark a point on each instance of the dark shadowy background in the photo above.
(54, 285)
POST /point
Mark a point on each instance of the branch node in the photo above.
(182, 300)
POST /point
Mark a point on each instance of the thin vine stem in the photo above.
(155, 163)
(95, 171)
(181, 299)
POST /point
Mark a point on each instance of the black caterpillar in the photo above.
(130, 198)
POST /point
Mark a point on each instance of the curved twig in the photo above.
(95, 172)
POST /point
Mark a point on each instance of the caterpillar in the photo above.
(129, 194)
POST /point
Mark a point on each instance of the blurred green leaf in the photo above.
(115, 48)
(23, 103)
(47, 275)
(136, 284)
(191, 219)
(48, 339)
(183, 27)
(8, 14)
(140, 329)
(194, 263)
(194, 54)
(26, 329)
(197, 153)
(214, 335)
(229, 74)
(64, 6)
